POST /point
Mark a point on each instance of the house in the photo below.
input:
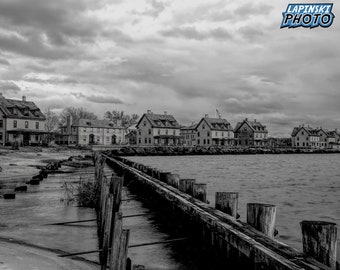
(323, 137)
(88, 132)
(131, 134)
(158, 129)
(250, 133)
(189, 135)
(333, 139)
(305, 137)
(21, 121)
(214, 132)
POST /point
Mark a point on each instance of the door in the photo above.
(91, 139)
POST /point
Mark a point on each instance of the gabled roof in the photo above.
(256, 126)
(217, 123)
(310, 131)
(16, 109)
(94, 124)
(160, 120)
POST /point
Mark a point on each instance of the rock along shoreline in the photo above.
(181, 151)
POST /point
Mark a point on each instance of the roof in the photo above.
(254, 125)
(193, 126)
(20, 109)
(94, 123)
(160, 120)
(310, 131)
(217, 123)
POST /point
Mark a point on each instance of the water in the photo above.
(303, 187)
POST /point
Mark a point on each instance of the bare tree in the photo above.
(76, 113)
(51, 124)
(120, 116)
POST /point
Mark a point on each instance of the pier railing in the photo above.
(252, 243)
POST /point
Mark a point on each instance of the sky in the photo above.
(188, 58)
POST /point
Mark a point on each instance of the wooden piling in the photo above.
(319, 240)
(262, 217)
(200, 192)
(227, 202)
(164, 176)
(174, 180)
(115, 244)
(187, 186)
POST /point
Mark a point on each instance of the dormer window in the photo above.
(26, 112)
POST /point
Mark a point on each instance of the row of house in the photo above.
(23, 121)
(316, 138)
(163, 129)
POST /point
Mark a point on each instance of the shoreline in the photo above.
(189, 151)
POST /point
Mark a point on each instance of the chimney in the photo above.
(206, 115)
(149, 111)
(246, 119)
(23, 98)
(69, 123)
(165, 112)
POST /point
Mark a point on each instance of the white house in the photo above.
(158, 129)
(21, 121)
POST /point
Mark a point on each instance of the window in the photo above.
(166, 132)
(174, 132)
(297, 138)
(150, 131)
(144, 123)
(198, 141)
(1, 124)
(159, 132)
(302, 133)
(208, 141)
(1, 136)
(146, 140)
(26, 124)
(139, 141)
(204, 141)
(84, 129)
(150, 140)
(203, 126)
(36, 138)
(208, 134)
(15, 123)
(36, 125)
(198, 134)
(139, 132)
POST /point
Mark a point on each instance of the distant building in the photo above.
(251, 133)
(279, 142)
(214, 132)
(131, 134)
(21, 121)
(305, 137)
(89, 132)
(158, 129)
(189, 135)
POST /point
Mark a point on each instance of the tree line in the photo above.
(54, 120)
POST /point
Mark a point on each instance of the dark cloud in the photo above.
(104, 99)
(7, 86)
(255, 106)
(156, 7)
(53, 80)
(4, 62)
(190, 32)
(249, 9)
(251, 33)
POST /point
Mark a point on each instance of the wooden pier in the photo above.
(245, 245)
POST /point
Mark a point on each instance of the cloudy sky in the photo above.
(187, 57)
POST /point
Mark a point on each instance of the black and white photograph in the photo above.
(169, 135)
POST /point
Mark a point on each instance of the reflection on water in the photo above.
(304, 187)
